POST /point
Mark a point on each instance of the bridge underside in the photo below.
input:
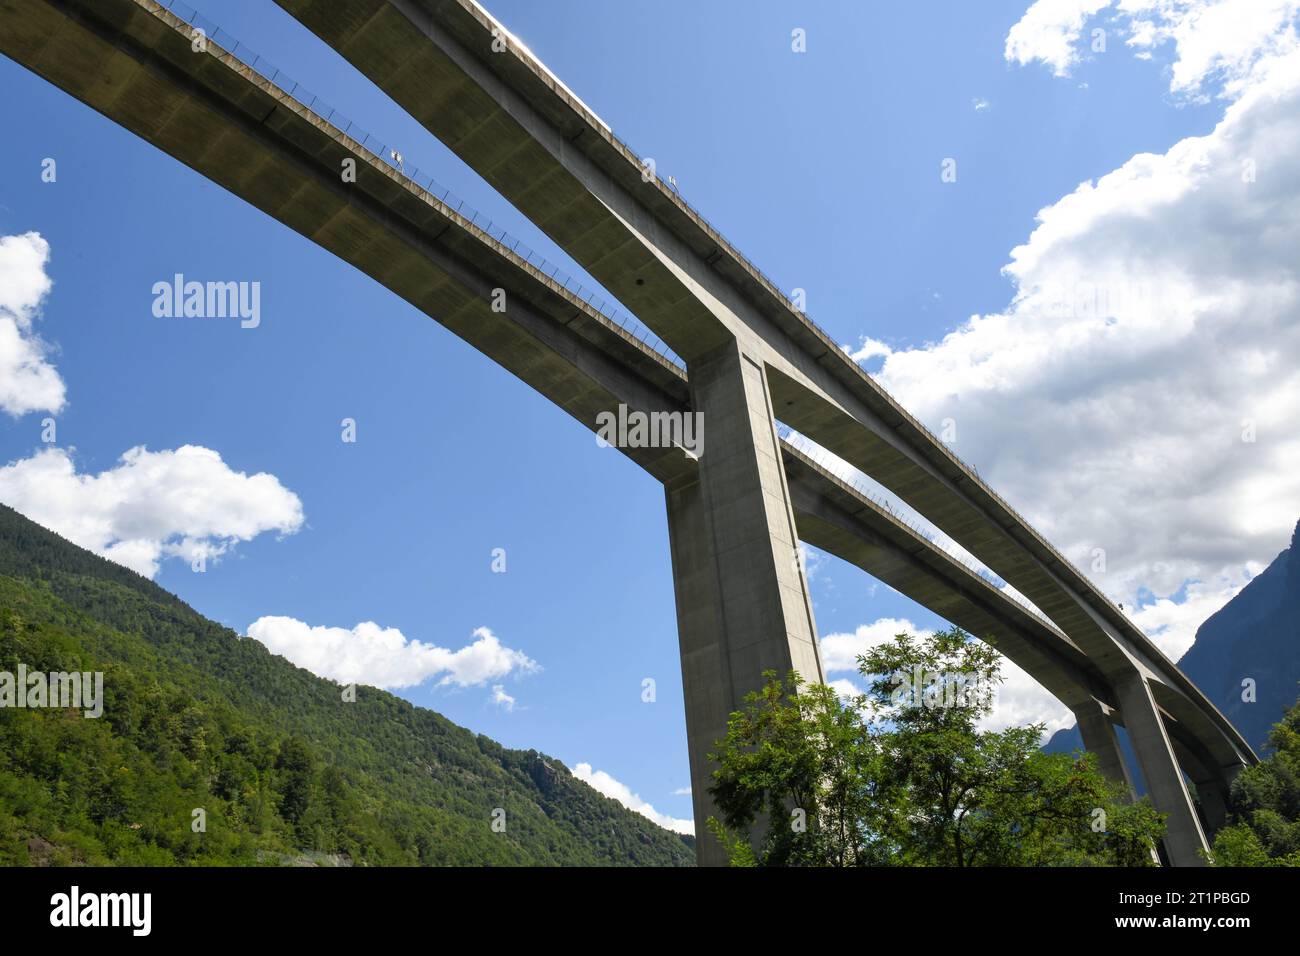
(735, 515)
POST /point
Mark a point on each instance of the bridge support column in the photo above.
(1099, 738)
(1184, 837)
(742, 601)
(1213, 783)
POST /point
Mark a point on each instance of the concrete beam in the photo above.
(1185, 841)
(840, 520)
(1099, 738)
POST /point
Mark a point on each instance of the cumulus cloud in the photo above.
(604, 783)
(185, 503)
(1049, 33)
(1172, 624)
(840, 651)
(1230, 42)
(1137, 398)
(868, 348)
(845, 689)
(28, 382)
(385, 657)
(1233, 42)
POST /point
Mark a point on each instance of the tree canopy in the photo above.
(1264, 821)
(906, 774)
(283, 766)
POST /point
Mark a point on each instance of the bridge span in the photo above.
(737, 513)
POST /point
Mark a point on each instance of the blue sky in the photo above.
(822, 167)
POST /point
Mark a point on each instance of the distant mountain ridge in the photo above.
(196, 717)
(1256, 635)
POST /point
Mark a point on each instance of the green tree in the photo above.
(801, 769)
(1264, 825)
(297, 766)
(904, 775)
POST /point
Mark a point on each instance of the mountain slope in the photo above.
(1255, 635)
(197, 718)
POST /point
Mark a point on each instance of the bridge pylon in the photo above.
(742, 598)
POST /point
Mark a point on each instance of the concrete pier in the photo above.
(742, 600)
(1185, 842)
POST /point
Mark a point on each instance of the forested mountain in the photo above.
(283, 768)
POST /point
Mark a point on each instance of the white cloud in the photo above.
(1172, 624)
(1153, 326)
(868, 348)
(840, 651)
(385, 657)
(682, 792)
(185, 503)
(844, 688)
(1049, 32)
(502, 699)
(980, 104)
(1231, 41)
(604, 783)
(28, 382)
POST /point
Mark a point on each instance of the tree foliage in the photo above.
(1264, 823)
(905, 775)
(284, 768)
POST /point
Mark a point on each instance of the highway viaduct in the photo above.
(736, 514)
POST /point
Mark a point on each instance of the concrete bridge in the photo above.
(750, 358)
